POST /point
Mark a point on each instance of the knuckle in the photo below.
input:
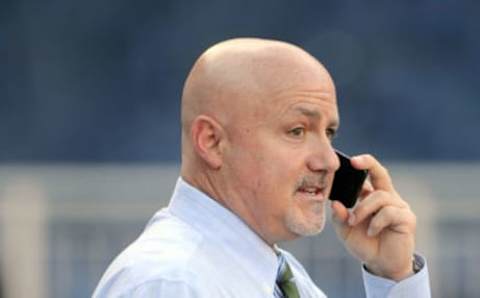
(384, 171)
(388, 197)
(359, 210)
(389, 211)
(369, 157)
(384, 168)
(405, 204)
(413, 219)
(376, 223)
(383, 194)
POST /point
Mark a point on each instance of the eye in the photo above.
(331, 133)
(297, 132)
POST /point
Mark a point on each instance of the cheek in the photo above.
(275, 178)
(266, 168)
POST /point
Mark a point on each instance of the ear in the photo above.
(207, 138)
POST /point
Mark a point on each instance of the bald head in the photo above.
(227, 76)
(231, 83)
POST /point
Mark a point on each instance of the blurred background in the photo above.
(90, 135)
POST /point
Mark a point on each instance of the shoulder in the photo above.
(163, 258)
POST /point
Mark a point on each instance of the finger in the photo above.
(339, 212)
(367, 189)
(340, 216)
(398, 219)
(379, 177)
(372, 204)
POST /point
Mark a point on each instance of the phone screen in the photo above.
(347, 182)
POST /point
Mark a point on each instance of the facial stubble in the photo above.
(306, 224)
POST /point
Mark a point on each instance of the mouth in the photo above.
(312, 192)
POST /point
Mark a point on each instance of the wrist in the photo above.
(395, 275)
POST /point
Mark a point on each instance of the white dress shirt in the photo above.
(197, 248)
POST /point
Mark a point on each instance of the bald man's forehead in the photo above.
(242, 77)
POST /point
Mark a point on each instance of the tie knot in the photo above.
(285, 280)
(284, 272)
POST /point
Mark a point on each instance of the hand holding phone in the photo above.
(347, 182)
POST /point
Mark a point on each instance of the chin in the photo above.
(304, 229)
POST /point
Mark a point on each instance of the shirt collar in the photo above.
(219, 224)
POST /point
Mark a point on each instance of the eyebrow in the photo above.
(308, 112)
(314, 114)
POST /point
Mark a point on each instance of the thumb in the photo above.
(339, 217)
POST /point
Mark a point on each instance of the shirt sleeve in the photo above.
(417, 285)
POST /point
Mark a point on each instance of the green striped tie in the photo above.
(286, 284)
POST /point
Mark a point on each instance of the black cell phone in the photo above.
(347, 182)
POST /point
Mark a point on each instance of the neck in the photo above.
(228, 198)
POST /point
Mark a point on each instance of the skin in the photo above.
(258, 117)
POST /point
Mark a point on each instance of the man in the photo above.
(258, 118)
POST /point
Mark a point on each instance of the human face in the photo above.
(283, 161)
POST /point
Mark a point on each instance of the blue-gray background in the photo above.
(101, 80)
(87, 86)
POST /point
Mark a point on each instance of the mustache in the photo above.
(312, 181)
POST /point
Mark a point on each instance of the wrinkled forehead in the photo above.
(282, 86)
(270, 74)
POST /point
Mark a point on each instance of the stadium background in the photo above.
(89, 124)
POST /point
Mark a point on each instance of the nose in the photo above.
(323, 158)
